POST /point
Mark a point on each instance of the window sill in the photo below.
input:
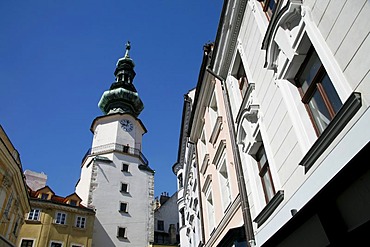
(341, 119)
(269, 208)
(79, 228)
(216, 130)
(33, 221)
(61, 225)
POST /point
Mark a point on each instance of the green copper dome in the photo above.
(122, 96)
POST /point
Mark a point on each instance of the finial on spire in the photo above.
(128, 47)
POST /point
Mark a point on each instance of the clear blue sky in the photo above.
(58, 57)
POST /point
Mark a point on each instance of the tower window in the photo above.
(123, 207)
(122, 232)
(125, 167)
(124, 188)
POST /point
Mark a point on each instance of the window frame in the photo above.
(32, 241)
(268, 11)
(56, 242)
(125, 167)
(126, 191)
(264, 171)
(124, 235)
(32, 216)
(60, 221)
(125, 209)
(315, 86)
(82, 223)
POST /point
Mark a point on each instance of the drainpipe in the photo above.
(248, 227)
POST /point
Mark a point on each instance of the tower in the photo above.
(116, 178)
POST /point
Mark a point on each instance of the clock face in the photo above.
(126, 125)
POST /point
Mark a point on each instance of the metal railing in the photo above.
(117, 148)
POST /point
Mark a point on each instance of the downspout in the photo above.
(248, 227)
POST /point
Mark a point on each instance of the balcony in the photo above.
(114, 147)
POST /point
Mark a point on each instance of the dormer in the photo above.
(44, 193)
(73, 200)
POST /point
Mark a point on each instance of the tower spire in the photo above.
(122, 96)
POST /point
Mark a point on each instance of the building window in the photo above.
(224, 183)
(160, 225)
(125, 167)
(124, 188)
(317, 91)
(60, 218)
(34, 214)
(265, 174)
(44, 196)
(8, 205)
(182, 215)
(240, 75)
(26, 243)
(180, 180)
(213, 110)
(15, 229)
(80, 222)
(56, 244)
(73, 202)
(210, 211)
(122, 232)
(123, 208)
(269, 6)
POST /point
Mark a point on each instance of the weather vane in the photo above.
(128, 47)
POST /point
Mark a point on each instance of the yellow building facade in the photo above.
(56, 221)
(14, 201)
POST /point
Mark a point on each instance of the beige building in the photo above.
(14, 201)
(56, 221)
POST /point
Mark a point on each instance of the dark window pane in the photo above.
(331, 93)
(319, 111)
(312, 67)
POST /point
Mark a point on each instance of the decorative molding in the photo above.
(205, 162)
(216, 130)
(207, 183)
(340, 120)
(220, 150)
(269, 208)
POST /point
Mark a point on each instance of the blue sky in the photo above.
(58, 57)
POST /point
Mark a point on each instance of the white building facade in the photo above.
(116, 178)
(296, 75)
(188, 197)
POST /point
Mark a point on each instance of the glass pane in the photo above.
(269, 189)
(312, 67)
(319, 111)
(332, 94)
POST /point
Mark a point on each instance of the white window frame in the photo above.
(213, 110)
(28, 239)
(31, 214)
(60, 222)
(80, 221)
(224, 181)
(56, 242)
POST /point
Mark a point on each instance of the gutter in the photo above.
(248, 227)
